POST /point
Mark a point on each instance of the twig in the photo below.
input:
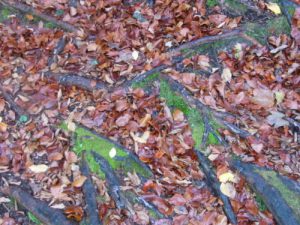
(89, 194)
(27, 9)
(40, 209)
(213, 182)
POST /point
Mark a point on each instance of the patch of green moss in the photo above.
(192, 114)
(275, 26)
(146, 82)
(260, 203)
(122, 161)
(211, 3)
(236, 6)
(33, 218)
(5, 13)
(292, 198)
(49, 25)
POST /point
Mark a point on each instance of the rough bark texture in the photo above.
(38, 208)
(280, 194)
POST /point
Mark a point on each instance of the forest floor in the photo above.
(149, 112)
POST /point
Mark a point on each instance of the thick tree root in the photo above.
(113, 183)
(204, 109)
(38, 208)
(27, 9)
(89, 194)
(280, 194)
(205, 40)
(213, 182)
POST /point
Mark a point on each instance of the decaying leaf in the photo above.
(79, 181)
(277, 119)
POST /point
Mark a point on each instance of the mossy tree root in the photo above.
(38, 208)
(89, 194)
(280, 194)
(213, 182)
(204, 109)
(27, 9)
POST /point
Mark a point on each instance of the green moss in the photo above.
(274, 26)
(211, 3)
(146, 82)
(122, 161)
(49, 25)
(33, 218)
(5, 13)
(292, 198)
(192, 114)
(236, 6)
(260, 203)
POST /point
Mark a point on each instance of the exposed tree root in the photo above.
(274, 198)
(85, 83)
(89, 194)
(27, 9)
(204, 109)
(17, 109)
(130, 154)
(113, 183)
(40, 209)
(205, 40)
(213, 182)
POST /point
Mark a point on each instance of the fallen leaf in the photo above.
(178, 115)
(79, 181)
(276, 119)
(226, 75)
(135, 55)
(263, 98)
(279, 96)
(3, 127)
(274, 7)
(112, 153)
(228, 190)
(123, 120)
(228, 177)
(41, 168)
(143, 139)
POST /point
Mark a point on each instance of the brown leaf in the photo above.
(123, 120)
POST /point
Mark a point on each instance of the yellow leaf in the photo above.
(3, 127)
(279, 96)
(29, 17)
(274, 7)
(228, 177)
(79, 181)
(228, 190)
(226, 75)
